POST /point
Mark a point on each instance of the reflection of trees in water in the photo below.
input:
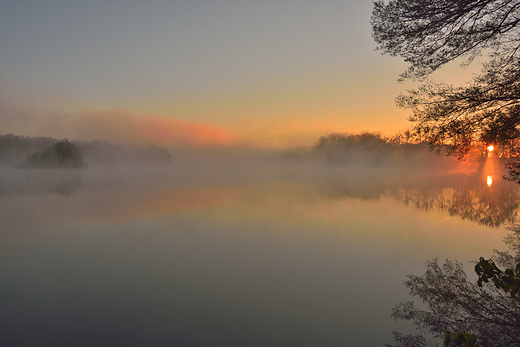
(61, 181)
(355, 189)
(457, 304)
(67, 186)
(490, 207)
(512, 240)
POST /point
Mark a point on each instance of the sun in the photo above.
(490, 149)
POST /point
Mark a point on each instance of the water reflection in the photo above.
(452, 303)
(462, 196)
(456, 304)
(136, 194)
(452, 307)
(487, 207)
(491, 168)
(18, 182)
(173, 257)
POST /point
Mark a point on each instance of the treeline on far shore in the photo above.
(363, 150)
(25, 151)
(371, 149)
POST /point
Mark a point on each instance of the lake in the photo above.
(236, 255)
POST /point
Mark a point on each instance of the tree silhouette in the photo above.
(61, 154)
(428, 34)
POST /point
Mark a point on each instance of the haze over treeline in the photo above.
(15, 150)
(374, 150)
(367, 150)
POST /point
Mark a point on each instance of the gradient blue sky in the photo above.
(265, 73)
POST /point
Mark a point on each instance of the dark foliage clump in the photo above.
(63, 154)
(367, 148)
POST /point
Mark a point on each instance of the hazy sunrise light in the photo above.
(217, 64)
(286, 173)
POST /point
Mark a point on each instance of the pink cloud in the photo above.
(123, 126)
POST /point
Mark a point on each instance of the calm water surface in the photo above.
(249, 257)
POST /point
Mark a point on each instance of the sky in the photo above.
(269, 74)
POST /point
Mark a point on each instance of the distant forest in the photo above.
(16, 150)
(372, 149)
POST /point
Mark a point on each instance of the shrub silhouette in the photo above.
(62, 154)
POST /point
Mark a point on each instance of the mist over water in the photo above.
(229, 248)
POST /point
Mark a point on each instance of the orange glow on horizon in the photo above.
(125, 126)
(169, 130)
(291, 130)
